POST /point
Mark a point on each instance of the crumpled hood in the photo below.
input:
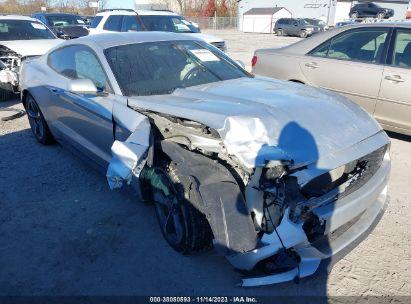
(31, 47)
(264, 119)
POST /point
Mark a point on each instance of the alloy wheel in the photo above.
(35, 119)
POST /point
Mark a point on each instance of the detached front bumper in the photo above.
(348, 221)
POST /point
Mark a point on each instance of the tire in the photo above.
(6, 95)
(303, 34)
(178, 203)
(354, 15)
(280, 32)
(37, 122)
(380, 16)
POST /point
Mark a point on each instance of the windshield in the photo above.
(174, 24)
(156, 68)
(64, 20)
(23, 30)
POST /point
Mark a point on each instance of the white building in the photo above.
(262, 20)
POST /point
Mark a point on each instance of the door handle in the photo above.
(311, 65)
(394, 78)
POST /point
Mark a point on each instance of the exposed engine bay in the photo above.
(10, 63)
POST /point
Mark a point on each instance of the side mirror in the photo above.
(82, 86)
(240, 63)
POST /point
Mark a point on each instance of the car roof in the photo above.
(108, 40)
(58, 14)
(17, 17)
(140, 12)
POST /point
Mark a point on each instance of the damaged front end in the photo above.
(276, 219)
(306, 227)
(10, 63)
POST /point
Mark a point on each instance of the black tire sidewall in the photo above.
(189, 213)
(47, 137)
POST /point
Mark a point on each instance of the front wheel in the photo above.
(354, 15)
(178, 204)
(380, 16)
(37, 122)
(303, 34)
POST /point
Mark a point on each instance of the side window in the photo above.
(78, 62)
(96, 21)
(321, 50)
(402, 49)
(114, 23)
(364, 46)
(88, 67)
(130, 23)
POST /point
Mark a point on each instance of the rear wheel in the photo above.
(37, 122)
(280, 32)
(177, 204)
(354, 15)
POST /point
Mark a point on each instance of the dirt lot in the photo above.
(63, 232)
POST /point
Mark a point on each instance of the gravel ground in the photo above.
(63, 232)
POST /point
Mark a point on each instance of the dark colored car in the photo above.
(66, 26)
(369, 9)
(317, 23)
(295, 27)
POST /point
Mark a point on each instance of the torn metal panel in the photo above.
(129, 156)
(224, 204)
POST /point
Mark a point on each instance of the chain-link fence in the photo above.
(217, 23)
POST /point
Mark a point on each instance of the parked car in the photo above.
(317, 23)
(295, 27)
(368, 63)
(127, 20)
(65, 26)
(370, 9)
(21, 38)
(346, 22)
(262, 168)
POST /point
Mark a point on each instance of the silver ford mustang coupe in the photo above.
(283, 179)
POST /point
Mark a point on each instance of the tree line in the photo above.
(190, 8)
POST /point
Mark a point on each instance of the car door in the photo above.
(84, 121)
(294, 27)
(349, 63)
(287, 26)
(394, 102)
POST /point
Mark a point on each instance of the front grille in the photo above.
(372, 163)
(356, 173)
(219, 45)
